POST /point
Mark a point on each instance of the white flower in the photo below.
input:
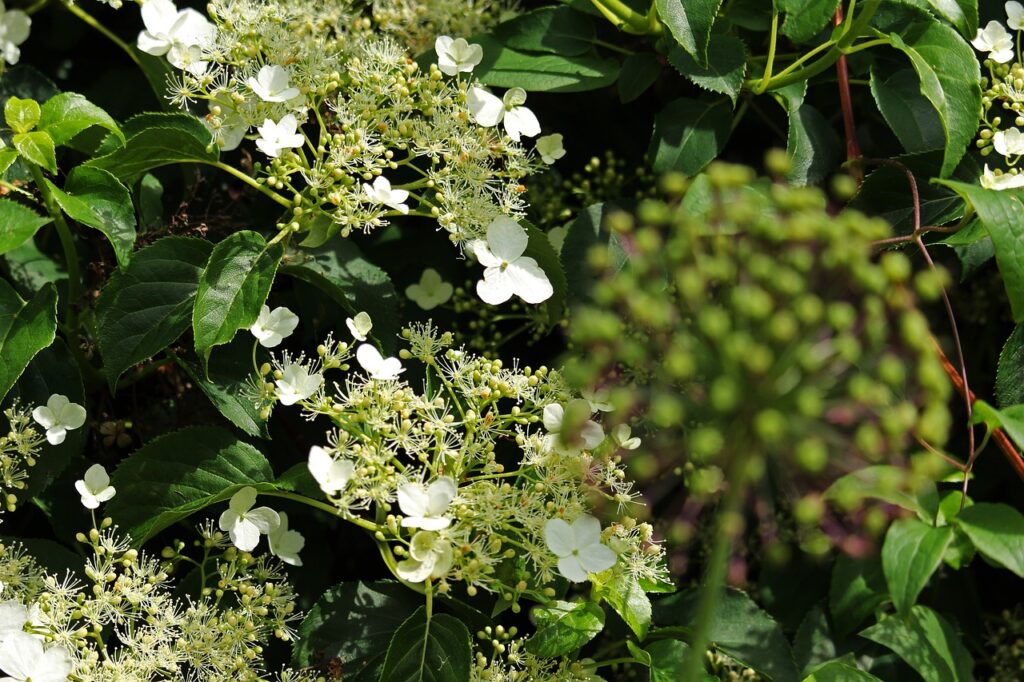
(550, 148)
(995, 40)
(95, 487)
(621, 436)
(578, 547)
(230, 127)
(23, 658)
(489, 111)
(14, 29)
(286, 544)
(297, 383)
(1015, 15)
(277, 136)
(1009, 142)
(456, 55)
(380, 192)
(13, 617)
(359, 326)
(272, 326)
(590, 434)
(271, 84)
(424, 505)
(598, 399)
(507, 271)
(59, 416)
(431, 291)
(1000, 181)
(331, 474)
(245, 524)
(181, 36)
(430, 557)
(376, 365)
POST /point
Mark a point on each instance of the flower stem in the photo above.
(251, 182)
(97, 25)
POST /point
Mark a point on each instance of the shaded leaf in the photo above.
(927, 643)
(560, 30)
(911, 553)
(724, 70)
(505, 67)
(997, 531)
(434, 650)
(96, 198)
(25, 329)
(690, 23)
(19, 222)
(689, 133)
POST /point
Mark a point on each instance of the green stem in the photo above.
(715, 573)
(613, 661)
(323, 506)
(771, 49)
(252, 182)
(619, 13)
(110, 35)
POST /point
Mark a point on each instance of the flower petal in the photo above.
(530, 282)
(571, 568)
(506, 238)
(559, 537)
(264, 518)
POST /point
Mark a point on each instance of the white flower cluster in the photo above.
(1005, 90)
(489, 467)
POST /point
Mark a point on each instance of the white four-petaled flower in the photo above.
(590, 432)
(277, 136)
(995, 40)
(458, 55)
(550, 148)
(273, 326)
(430, 556)
(14, 29)
(59, 416)
(13, 617)
(1009, 142)
(332, 475)
(489, 111)
(271, 84)
(24, 659)
(424, 506)
(622, 438)
(94, 487)
(359, 326)
(507, 271)
(431, 291)
(180, 35)
(380, 192)
(243, 524)
(376, 365)
(297, 383)
(578, 547)
(285, 543)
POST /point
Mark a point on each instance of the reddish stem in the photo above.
(849, 127)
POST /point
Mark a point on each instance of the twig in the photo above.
(849, 127)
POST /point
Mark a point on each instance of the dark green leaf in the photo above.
(889, 484)
(949, 76)
(96, 198)
(564, 627)
(19, 224)
(146, 306)
(67, 114)
(539, 248)
(805, 18)
(639, 71)
(168, 139)
(724, 70)
(928, 644)
(1010, 374)
(434, 650)
(910, 555)
(690, 22)
(812, 144)
(909, 114)
(689, 133)
(963, 14)
(584, 233)
(668, 661)
(504, 67)
(560, 30)
(37, 147)
(353, 622)
(232, 289)
(181, 473)
(857, 589)
(25, 329)
(997, 531)
(813, 643)
(839, 671)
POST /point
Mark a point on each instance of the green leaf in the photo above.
(839, 671)
(583, 233)
(181, 473)
(564, 627)
(805, 18)
(1010, 372)
(341, 271)
(29, 268)
(740, 629)
(668, 661)
(96, 198)
(1002, 214)
(428, 650)
(963, 14)
(505, 67)
(232, 289)
(25, 329)
(147, 305)
(909, 114)
(889, 484)
(225, 386)
(19, 224)
(639, 71)
(67, 114)
(997, 531)
(37, 147)
(857, 589)
(53, 370)
(724, 69)
(911, 553)
(560, 30)
(539, 248)
(627, 597)
(353, 622)
(812, 144)
(949, 74)
(689, 133)
(690, 22)
(928, 644)
(166, 139)
(21, 115)
(7, 157)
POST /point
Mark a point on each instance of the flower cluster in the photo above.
(1002, 119)
(18, 451)
(490, 476)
